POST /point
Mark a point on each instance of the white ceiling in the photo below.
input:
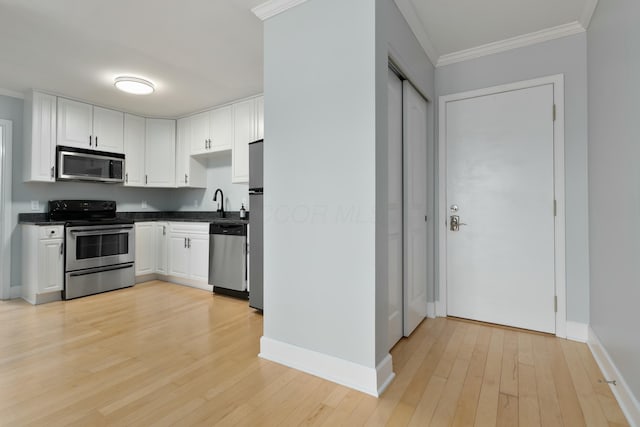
(446, 27)
(199, 53)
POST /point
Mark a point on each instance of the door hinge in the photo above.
(554, 112)
(555, 304)
(555, 208)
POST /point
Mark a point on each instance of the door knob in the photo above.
(454, 223)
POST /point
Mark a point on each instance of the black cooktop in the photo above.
(85, 212)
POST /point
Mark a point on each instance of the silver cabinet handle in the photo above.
(186, 178)
(126, 177)
(61, 248)
(185, 242)
(96, 141)
(89, 140)
(53, 171)
(189, 242)
(164, 230)
(206, 141)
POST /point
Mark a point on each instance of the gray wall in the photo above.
(566, 56)
(320, 172)
(614, 176)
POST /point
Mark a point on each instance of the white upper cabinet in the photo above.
(211, 131)
(134, 142)
(189, 171)
(160, 153)
(39, 137)
(221, 120)
(245, 119)
(85, 126)
(108, 131)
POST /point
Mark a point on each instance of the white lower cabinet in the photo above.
(189, 251)
(145, 248)
(176, 251)
(42, 263)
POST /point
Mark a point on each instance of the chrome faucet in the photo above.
(215, 199)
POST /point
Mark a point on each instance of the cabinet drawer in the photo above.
(189, 227)
(51, 231)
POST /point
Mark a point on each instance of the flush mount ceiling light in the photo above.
(134, 85)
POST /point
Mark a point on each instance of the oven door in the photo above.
(99, 246)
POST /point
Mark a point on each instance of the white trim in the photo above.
(372, 381)
(6, 215)
(627, 401)
(411, 16)
(553, 33)
(587, 13)
(274, 7)
(559, 175)
(577, 331)
(11, 93)
(185, 282)
(431, 310)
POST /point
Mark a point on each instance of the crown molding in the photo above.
(512, 43)
(587, 13)
(411, 16)
(273, 7)
(11, 93)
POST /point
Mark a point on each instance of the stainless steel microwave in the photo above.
(78, 164)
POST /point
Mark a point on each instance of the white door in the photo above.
(75, 124)
(145, 248)
(178, 255)
(51, 268)
(200, 133)
(134, 140)
(221, 129)
(108, 133)
(199, 257)
(395, 207)
(499, 182)
(160, 151)
(414, 117)
(161, 248)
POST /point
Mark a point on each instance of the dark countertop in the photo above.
(175, 216)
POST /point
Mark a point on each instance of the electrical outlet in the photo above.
(144, 204)
(35, 205)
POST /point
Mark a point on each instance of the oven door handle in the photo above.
(100, 270)
(96, 231)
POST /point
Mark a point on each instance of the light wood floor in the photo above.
(162, 354)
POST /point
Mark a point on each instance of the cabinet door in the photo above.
(43, 138)
(200, 133)
(178, 255)
(75, 124)
(221, 128)
(183, 152)
(161, 247)
(260, 118)
(244, 114)
(108, 134)
(134, 140)
(199, 257)
(145, 248)
(51, 265)
(160, 151)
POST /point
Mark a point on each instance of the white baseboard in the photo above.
(15, 292)
(441, 309)
(621, 391)
(367, 380)
(431, 310)
(186, 282)
(577, 331)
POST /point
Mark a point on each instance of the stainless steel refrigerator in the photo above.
(256, 222)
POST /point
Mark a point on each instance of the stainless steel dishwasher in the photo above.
(228, 259)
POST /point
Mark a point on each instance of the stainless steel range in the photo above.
(100, 248)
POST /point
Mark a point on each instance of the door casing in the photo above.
(6, 221)
(559, 177)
